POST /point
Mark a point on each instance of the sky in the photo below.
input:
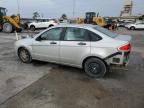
(55, 8)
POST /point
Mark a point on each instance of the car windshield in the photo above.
(105, 31)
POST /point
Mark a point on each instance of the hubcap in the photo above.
(132, 28)
(32, 28)
(24, 55)
(7, 27)
(94, 68)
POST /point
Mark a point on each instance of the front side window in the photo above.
(52, 34)
(140, 23)
(76, 34)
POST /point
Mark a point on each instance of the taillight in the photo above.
(125, 47)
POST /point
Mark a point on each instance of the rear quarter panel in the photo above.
(102, 49)
(105, 47)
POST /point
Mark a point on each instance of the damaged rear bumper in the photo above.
(118, 58)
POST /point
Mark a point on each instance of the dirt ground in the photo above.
(57, 86)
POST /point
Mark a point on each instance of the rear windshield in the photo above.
(105, 31)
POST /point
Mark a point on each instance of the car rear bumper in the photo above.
(118, 58)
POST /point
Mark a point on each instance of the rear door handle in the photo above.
(81, 43)
(53, 43)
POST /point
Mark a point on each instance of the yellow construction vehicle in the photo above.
(99, 21)
(9, 23)
(80, 20)
(92, 18)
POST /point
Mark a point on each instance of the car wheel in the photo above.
(8, 28)
(132, 28)
(32, 28)
(24, 55)
(95, 67)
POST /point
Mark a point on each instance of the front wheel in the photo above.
(95, 67)
(24, 55)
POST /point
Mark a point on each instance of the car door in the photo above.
(46, 46)
(139, 25)
(40, 24)
(47, 23)
(74, 46)
(44, 24)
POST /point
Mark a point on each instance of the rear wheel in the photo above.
(95, 67)
(24, 55)
(32, 28)
(7, 27)
(132, 28)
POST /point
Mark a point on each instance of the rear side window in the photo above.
(105, 31)
(94, 36)
(76, 34)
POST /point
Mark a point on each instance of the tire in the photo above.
(8, 28)
(95, 68)
(132, 28)
(32, 28)
(24, 55)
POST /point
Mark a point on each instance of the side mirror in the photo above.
(40, 38)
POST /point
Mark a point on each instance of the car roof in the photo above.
(77, 25)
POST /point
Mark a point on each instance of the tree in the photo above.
(64, 17)
(36, 15)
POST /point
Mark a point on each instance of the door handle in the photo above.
(81, 43)
(53, 43)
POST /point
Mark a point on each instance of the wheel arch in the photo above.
(51, 25)
(132, 27)
(32, 25)
(18, 49)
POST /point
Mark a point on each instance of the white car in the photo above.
(42, 24)
(135, 26)
(90, 47)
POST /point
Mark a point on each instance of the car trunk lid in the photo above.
(124, 38)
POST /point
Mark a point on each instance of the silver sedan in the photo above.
(89, 47)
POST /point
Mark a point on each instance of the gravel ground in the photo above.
(57, 86)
